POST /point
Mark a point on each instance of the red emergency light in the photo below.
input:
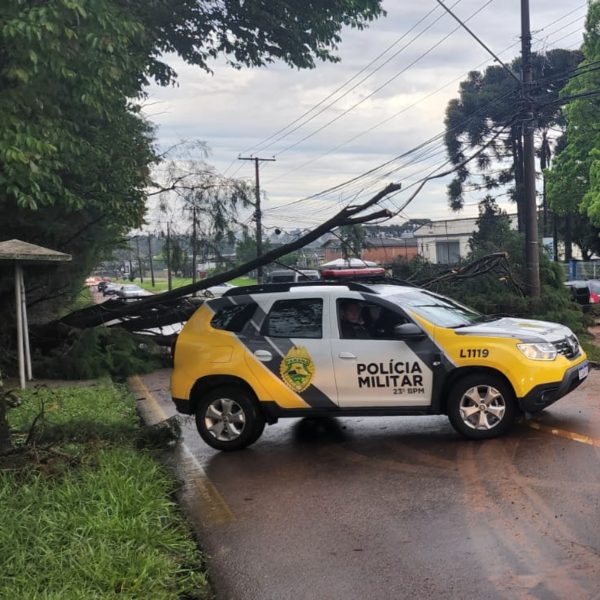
(354, 273)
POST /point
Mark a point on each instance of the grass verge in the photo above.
(590, 347)
(161, 285)
(93, 516)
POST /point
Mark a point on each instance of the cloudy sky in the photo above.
(395, 106)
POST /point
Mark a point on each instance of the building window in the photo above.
(448, 253)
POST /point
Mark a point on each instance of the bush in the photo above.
(494, 294)
(100, 352)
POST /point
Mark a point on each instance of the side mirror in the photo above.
(408, 331)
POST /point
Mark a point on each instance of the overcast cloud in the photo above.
(233, 111)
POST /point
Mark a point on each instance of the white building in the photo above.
(446, 242)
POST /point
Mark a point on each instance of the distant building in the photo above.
(446, 242)
(381, 250)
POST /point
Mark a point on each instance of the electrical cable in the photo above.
(386, 120)
(383, 85)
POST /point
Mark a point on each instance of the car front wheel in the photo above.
(481, 406)
(228, 418)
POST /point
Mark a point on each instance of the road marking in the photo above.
(207, 504)
(570, 435)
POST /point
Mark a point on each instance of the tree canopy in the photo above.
(75, 153)
(574, 180)
(488, 102)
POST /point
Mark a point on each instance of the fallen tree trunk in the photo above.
(111, 310)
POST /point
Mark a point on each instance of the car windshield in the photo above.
(438, 309)
(131, 288)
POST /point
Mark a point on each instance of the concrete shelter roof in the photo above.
(16, 250)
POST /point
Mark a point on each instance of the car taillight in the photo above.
(594, 299)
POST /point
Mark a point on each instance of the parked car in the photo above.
(216, 291)
(110, 289)
(261, 353)
(585, 291)
(292, 276)
(92, 281)
(129, 292)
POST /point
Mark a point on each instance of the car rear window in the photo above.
(234, 317)
(302, 318)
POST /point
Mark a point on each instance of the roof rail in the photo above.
(354, 286)
(267, 288)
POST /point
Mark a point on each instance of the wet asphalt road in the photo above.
(390, 508)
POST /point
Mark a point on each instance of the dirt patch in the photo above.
(595, 333)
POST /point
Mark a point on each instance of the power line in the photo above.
(481, 43)
(414, 39)
(396, 158)
(343, 85)
(416, 103)
(385, 84)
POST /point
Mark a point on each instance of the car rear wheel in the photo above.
(481, 406)
(228, 418)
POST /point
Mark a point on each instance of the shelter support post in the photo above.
(20, 344)
(26, 347)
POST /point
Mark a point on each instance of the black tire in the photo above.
(491, 400)
(229, 418)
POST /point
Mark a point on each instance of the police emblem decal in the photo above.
(297, 369)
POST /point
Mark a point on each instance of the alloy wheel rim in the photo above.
(224, 419)
(482, 407)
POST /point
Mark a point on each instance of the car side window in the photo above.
(302, 318)
(358, 319)
(233, 318)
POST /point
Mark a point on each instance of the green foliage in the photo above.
(99, 352)
(95, 518)
(487, 102)
(494, 295)
(245, 249)
(75, 154)
(352, 240)
(494, 232)
(574, 180)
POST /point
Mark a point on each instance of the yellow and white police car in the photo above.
(260, 353)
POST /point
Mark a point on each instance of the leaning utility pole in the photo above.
(531, 231)
(257, 211)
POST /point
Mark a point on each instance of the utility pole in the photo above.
(139, 257)
(169, 277)
(193, 244)
(150, 259)
(528, 125)
(257, 211)
(531, 231)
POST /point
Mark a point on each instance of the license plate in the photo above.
(583, 371)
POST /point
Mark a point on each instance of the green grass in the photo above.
(591, 349)
(82, 300)
(161, 284)
(102, 525)
(243, 281)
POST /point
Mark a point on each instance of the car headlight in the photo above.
(541, 351)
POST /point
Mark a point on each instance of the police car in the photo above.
(261, 353)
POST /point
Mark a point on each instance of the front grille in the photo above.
(568, 347)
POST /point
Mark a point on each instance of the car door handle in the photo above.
(347, 355)
(263, 355)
